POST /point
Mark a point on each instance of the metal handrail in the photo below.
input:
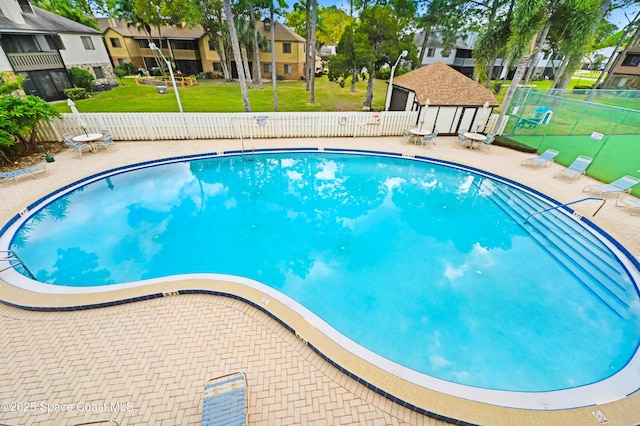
(566, 204)
(11, 255)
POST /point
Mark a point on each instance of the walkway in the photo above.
(147, 362)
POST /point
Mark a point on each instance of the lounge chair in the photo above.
(633, 203)
(32, 171)
(575, 169)
(225, 400)
(543, 159)
(622, 185)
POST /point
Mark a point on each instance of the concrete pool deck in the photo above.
(157, 354)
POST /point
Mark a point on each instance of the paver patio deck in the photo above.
(147, 362)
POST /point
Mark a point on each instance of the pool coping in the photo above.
(279, 310)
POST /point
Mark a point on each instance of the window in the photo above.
(267, 48)
(99, 72)
(217, 67)
(121, 61)
(266, 67)
(431, 52)
(212, 46)
(115, 42)
(631, 60)
(183, 44)
(286, 47)
(87, 43)
(288, 68)
(25, 6)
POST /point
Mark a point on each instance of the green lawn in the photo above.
(219, 96)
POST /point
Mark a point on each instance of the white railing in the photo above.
(162, 126)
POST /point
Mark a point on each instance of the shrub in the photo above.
(128, 68)
(81, 78)
(77, 93)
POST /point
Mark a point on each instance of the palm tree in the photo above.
(235, 45)
(273, 55)
(529, 16)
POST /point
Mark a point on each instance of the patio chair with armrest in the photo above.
(106, 141)
(464, 142)
(619, 186)
(486, 144)
(575, 169)
(78, 147)
(543, 159)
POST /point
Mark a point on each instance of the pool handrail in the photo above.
(9, 256)
(567, 204)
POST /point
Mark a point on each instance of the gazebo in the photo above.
(448, 101)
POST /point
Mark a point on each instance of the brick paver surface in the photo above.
(147, 362)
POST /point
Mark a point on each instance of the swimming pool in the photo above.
(438, 242)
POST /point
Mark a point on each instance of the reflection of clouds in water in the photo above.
(319, 271)
(213, 189)
(478, 259)
(379, 213)
(329, 184)
(327, 171)
(465, 185)
(294, 176)
(425, 184)
(231, 203)
(288, 162)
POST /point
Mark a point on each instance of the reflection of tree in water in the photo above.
(263, 194)
(431, 215)
(75, 267)
(57, 211)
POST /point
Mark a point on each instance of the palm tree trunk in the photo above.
(257, 71)
(312, 52)
(307, 60)
(273, 57)
(632, 41)
(235, 46)
(517, 77)
(536, 56)
(423, 50)
(369, 98)
(245, 63)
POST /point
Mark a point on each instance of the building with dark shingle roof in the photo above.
(43, 46)
(448, 101)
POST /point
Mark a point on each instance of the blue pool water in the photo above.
(420, 263)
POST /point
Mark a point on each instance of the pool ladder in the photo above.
(247, 153)
(13, 260)
(566, 204)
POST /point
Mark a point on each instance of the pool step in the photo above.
(581, 253)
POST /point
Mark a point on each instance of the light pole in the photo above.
(153, 46)
(387, 101)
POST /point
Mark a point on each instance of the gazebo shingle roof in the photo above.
(443, 85)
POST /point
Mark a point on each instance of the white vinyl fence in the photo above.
(165, 126)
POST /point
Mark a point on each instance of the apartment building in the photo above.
(193, 52)
(43, 46)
